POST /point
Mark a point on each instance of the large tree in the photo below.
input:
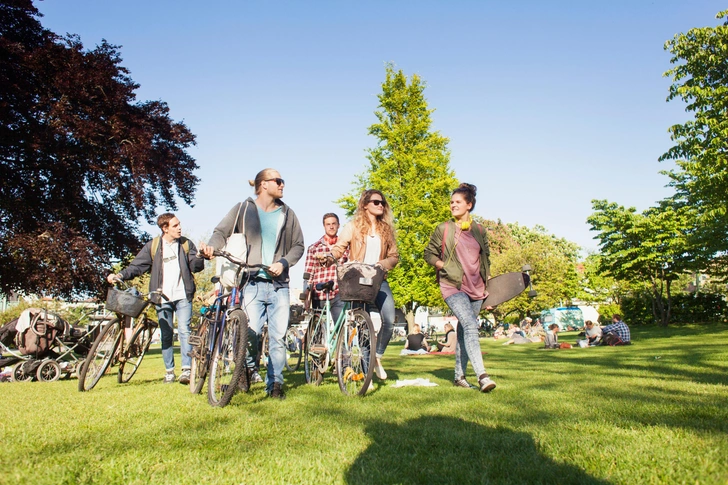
(81, 161)
(553, 261)
(651, 249)
(410, 165)
(700, 79)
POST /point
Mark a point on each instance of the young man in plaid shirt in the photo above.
(318, 273)
(619, 329)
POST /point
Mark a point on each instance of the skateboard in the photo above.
(507, 286)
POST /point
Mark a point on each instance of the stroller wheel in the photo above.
(48, 371)
(19, 374)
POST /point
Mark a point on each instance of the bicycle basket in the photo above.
(125, 303)
(359, 281)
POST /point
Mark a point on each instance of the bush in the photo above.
(637, 309)
(686, 308)
(606, 312)
(703, 307)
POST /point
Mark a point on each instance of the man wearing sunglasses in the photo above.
(274, 238)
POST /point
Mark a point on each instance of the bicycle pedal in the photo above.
(318, 349)
(194, 340)
(358, 377)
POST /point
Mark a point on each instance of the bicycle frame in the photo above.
(331, 328)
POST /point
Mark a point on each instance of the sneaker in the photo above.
(486, 384)
(255, 377)
(169, 377)
(184, 377)
(277, 392)
(463, 383)
(379, 370)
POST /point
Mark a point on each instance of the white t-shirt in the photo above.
(374, 249)
(172, 284)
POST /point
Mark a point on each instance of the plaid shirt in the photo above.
(620, 328)
(319, 273)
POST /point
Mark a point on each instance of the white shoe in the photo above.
(379, 370)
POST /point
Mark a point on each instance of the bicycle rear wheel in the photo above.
(200, 342)
(315, 351)
(100, 356)
(355, 353)
(134, 352)
(228, 359)
(294, 349)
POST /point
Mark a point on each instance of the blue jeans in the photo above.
(468, 346)
(265, 303)
(385, 303)
(165, 313)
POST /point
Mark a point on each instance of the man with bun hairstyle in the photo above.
(274, 238)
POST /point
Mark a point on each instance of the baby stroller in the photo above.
(41, 345)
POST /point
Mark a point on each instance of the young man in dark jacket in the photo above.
(171, 260)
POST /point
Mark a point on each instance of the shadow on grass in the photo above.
(443, 449)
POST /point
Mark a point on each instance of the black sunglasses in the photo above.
(279, 181)
(377, 202)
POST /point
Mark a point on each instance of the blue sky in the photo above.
(547, 105)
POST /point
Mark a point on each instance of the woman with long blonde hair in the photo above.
(370, 239)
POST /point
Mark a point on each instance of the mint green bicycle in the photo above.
(349, 342)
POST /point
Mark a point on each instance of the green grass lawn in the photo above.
(653, 412)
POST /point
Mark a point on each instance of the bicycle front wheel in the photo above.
(228, 359)
(355, 353)
(294, 349)
(134, 352)
(100, 356)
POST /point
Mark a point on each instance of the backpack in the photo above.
(158, 239)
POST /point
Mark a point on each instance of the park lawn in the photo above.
(652, 412)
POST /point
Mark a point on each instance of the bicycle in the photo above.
(352, 337)
(292, 342)
(223, 351)
(123, 341)
(201, 340)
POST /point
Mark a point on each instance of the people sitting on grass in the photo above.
(552, 337)
(515, 331)
(593, 333)
(448, 342)
(617, 333)
(416, 342)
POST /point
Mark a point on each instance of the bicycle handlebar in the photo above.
(237, 261)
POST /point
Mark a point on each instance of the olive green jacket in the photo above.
(452, 272)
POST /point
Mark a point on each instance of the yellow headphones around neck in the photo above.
(465, 225)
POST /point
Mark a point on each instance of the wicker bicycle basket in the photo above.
(125, 303)
(359, 281)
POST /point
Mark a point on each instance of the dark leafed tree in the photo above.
(81, 161)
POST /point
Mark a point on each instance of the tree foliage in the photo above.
(700, 79)
(410, 165)
(553, 261)
(81, 161)
(652, 248)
